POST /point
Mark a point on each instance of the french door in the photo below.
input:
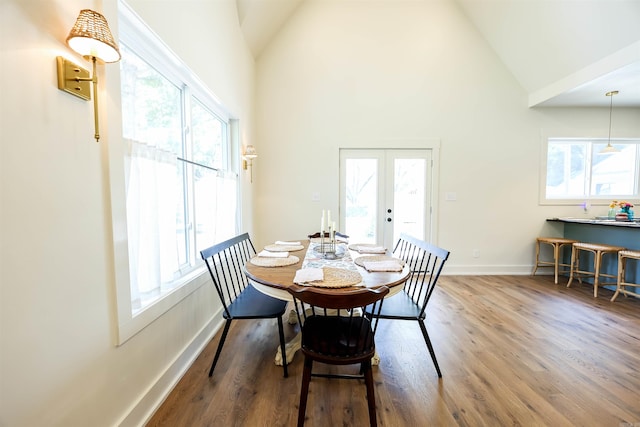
(384, 193)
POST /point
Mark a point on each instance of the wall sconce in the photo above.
(91, 38)
(610, 148)
(247, 159)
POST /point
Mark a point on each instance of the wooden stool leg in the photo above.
(535, 267)
(556, 254)
(621, 263)
(574, 252)
(596, 272)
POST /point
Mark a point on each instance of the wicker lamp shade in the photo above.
(91, 37)
(250, 152)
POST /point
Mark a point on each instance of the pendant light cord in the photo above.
(610, 115)
(610, 94)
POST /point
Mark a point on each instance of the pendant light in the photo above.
(609, 149)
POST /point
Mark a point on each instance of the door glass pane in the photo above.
(409, 197)
(361, 191)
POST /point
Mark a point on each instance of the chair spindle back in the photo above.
(425, 263)
(225, 262)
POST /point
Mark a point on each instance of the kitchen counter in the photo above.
(599, 221)
(607, 231)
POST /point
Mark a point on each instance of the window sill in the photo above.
(127, 328)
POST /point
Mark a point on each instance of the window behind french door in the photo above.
(384, 193)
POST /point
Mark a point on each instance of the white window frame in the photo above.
(134, 32)
(579, 200)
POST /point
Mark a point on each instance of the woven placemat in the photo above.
(375, 258)
(283, 248)
(338, 278)
(274, 262)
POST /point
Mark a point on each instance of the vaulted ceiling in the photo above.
(563, 52)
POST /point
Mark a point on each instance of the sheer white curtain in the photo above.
(152, 198)
(215, 207)
(226, 213)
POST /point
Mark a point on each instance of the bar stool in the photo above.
(598, 250)
(623, 256)
(557, 243)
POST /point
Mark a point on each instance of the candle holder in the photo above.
(328, 248)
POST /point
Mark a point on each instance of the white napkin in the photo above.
(371, 249)
(267, 254)
(305, 275)
(390, 265)
(280, 242)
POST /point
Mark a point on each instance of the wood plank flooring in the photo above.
(513, 350)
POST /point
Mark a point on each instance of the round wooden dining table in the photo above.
(274, 281)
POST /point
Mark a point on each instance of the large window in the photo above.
(181, 192)
(576, 170)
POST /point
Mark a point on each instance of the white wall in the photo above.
(388, 74)
(58, 362)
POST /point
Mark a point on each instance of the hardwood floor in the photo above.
(513, 350)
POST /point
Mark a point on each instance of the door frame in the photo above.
(432, 144)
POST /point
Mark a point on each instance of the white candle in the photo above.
(328, 217)
(322, 222)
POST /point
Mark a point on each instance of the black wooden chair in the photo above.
(425, 263)
(240, 300)
(336, 332)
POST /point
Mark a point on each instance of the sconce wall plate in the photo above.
(69, 75)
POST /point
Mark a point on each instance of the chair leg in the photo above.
(282, 347)
(219, 350)
(304, 390)
(371, 397)
(425, 334)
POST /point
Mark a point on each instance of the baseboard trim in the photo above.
(487, 270)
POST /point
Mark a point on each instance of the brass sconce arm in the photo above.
(247, 159)
(73, 79)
